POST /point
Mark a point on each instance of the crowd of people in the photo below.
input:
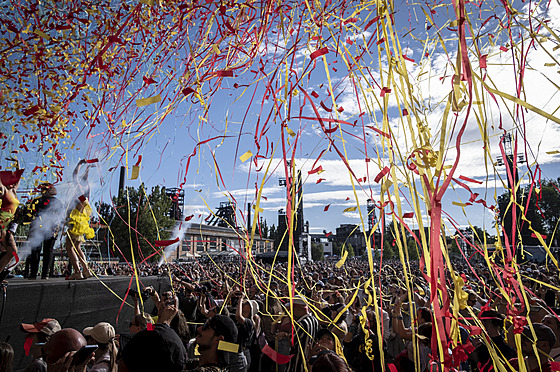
(247, 316)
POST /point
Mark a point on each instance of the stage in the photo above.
(75, 304)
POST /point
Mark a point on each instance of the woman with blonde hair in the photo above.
(78, 226)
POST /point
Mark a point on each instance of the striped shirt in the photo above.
(305, 330)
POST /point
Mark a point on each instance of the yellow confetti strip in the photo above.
(246, 156)
(228, 346)
(148, 101)
(342, 260)
(135, 172)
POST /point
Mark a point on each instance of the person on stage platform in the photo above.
(78, 226)
(44, 212)
(9, 183)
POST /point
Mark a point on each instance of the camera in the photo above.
(134, 293)
(146, 293)
(203, 288)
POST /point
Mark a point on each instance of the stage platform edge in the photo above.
(75, 304)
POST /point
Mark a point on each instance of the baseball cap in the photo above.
(101, 332)
(322, 332)
(543, 333)
(159, 349)
(47, 326)
(254, 306)
(224, 326)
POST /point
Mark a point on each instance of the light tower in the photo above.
(511, 161)
(295, 190)
(372, 219)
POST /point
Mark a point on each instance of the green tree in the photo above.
(337, 248)
(317, 252)
(264, 229)
(454, 248)
(412, 249)
(388, 251)
(350, 250)
(136, 220)
(549, 205)
(541, 209)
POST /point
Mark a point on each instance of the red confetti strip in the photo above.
(325, 107)
(31, 111)
(148, 80)
(384, 91)
(320, 52)
(467, 179)
(224, 73)
(28, 343)
(533, 235)
(318, 169)
(482, 61)
(276, 356)
(381, 174)
(165, 243)
(408, 59)
(378, 131)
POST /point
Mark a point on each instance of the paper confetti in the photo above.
(148, 101)
(246, 156)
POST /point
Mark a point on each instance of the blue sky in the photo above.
(240, 108)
